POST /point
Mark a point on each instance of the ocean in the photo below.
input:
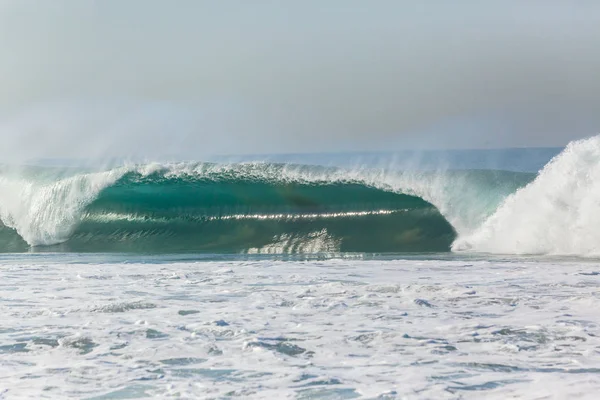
(415, 275)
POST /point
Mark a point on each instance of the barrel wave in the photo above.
(261, 208)
(245, 208)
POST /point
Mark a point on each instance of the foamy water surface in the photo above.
(94, 328)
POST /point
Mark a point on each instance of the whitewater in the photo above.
(289, 279)
(98, 327)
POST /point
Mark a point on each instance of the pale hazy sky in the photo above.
(196, 77)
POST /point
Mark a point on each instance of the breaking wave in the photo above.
(558, 213)
(287, 208)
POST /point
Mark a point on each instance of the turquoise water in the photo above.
(246, 208)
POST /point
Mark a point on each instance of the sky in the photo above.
(190, 78)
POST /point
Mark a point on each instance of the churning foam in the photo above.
(45, 213)
(557, 213)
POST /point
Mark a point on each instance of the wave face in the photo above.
(245, 208)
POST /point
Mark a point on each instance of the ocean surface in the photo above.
(466, 274)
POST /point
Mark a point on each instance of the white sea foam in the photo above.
(322, 329)
(45, 213)
(558, 213)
